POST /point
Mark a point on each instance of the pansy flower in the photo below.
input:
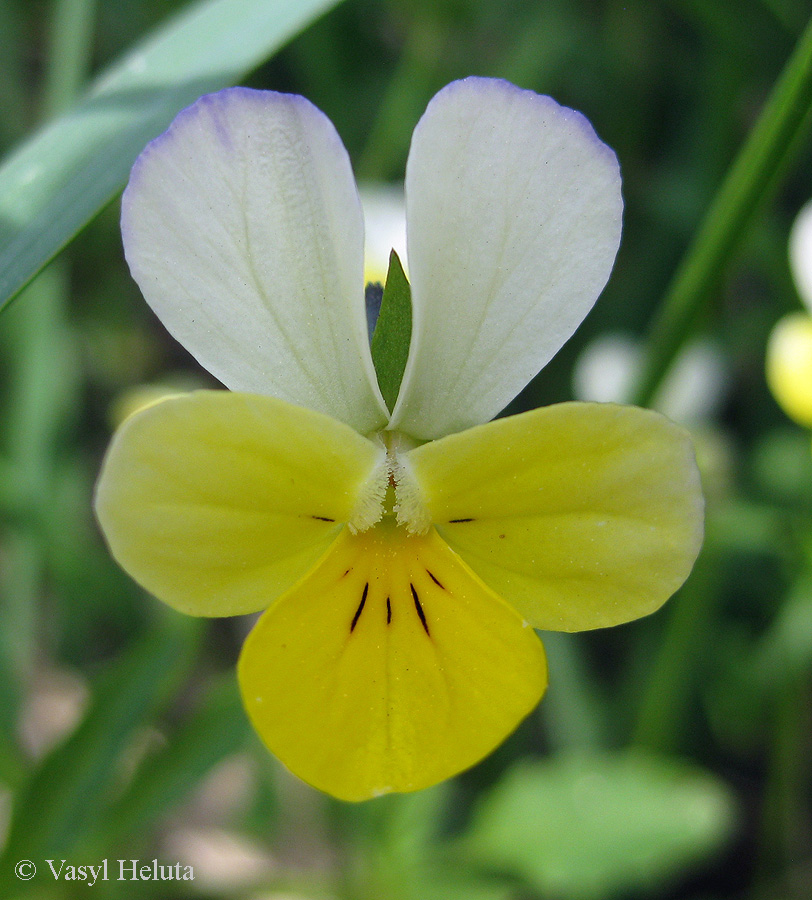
(403, 557)
(789, 352)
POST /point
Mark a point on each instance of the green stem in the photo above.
(753, 176)
(71, 37)
(14, 107)
(403, 102)
(673, 677)
(40, 390)
(782, 828)
(573, 711)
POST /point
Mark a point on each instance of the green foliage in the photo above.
(767, 152)
(64, 795)
(595, 827)
(215, 730)
(59, 179)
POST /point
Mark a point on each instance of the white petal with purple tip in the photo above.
(243, 229)
(514, 215)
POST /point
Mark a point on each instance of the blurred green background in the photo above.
(670, 758)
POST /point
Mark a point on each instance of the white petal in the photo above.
(800, 254)
(243, 229)
(514, 214)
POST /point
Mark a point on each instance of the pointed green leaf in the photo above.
(59, 179)
(390, 342)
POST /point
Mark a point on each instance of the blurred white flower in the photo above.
(226, 791)
(384, 228)
(789, 351)
(800, 254)
(691, 392)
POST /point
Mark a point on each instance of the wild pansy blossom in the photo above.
(789, 352)
(402, 556)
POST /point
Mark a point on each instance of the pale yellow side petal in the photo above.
(389, 668)
(217, 502)
(789, 366)
(582, 515)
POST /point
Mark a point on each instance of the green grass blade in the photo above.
(217, 728)
(754, 175)
(57, 181)
(68, 789)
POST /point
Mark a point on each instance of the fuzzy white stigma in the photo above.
(391, 490)
(369, 507)
(409, 508)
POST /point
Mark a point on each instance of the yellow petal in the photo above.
(582, 515)
(789, 366)
(218, 502)
(389, 668)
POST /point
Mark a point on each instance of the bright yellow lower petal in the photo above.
(582, 515)
(789, 366)
(389, 668)
(217, 502)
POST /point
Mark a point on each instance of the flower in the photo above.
(402, 556)
(789, 351)
(384, 209)
(691, 393)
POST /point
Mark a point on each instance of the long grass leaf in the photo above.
(58, 180)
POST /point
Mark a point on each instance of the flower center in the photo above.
(391, 491)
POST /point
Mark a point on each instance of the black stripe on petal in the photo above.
(420, 612)
(360, 608)
(435, 580)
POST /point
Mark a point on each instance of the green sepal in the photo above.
(393, 331)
